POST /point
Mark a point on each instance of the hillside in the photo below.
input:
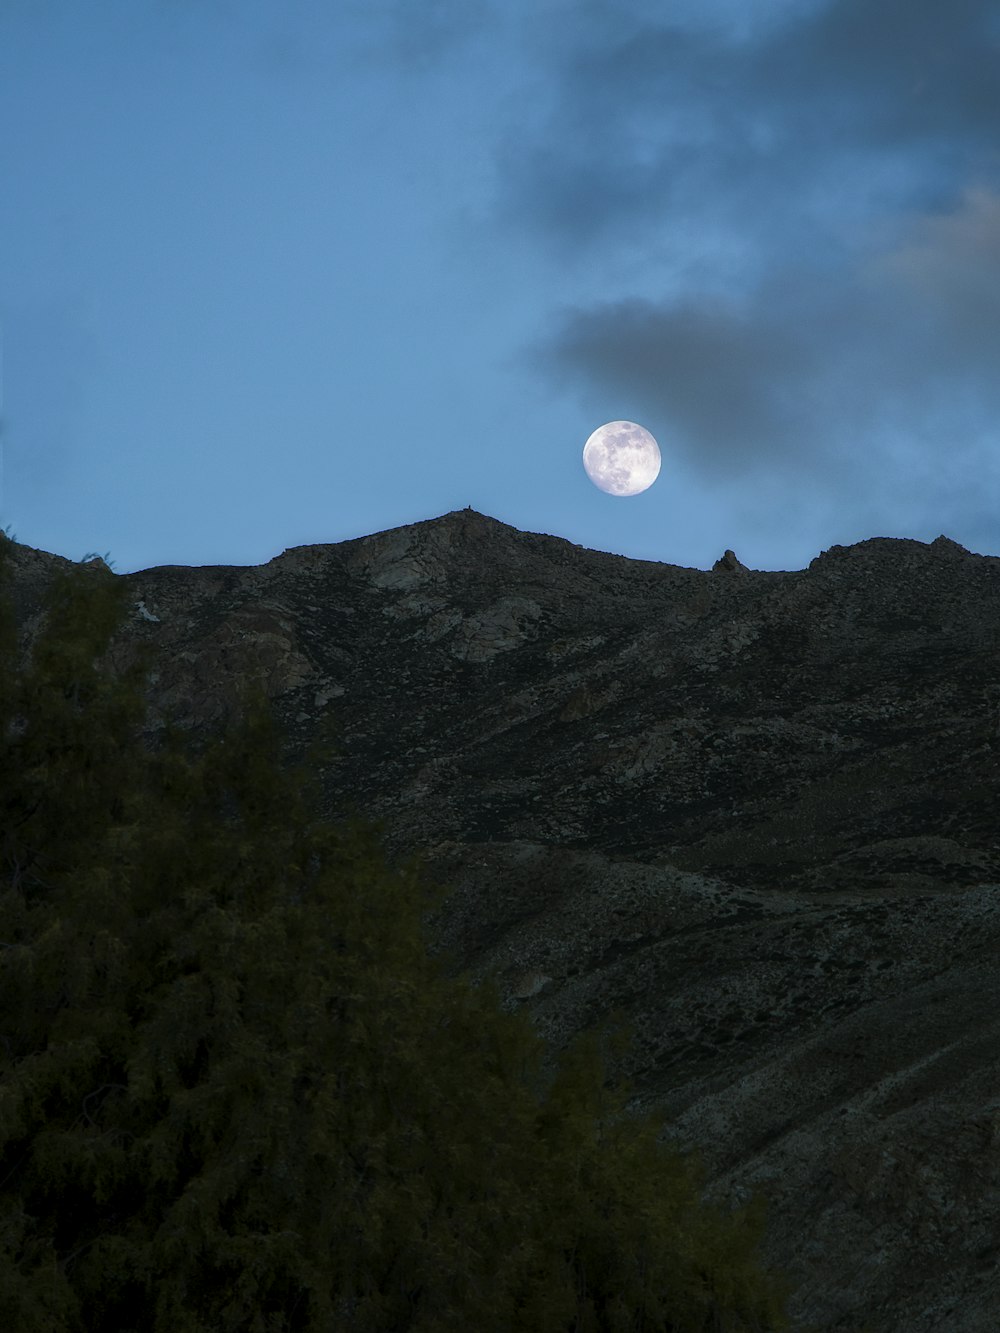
(757, 810)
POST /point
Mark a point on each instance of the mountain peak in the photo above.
(755, 810)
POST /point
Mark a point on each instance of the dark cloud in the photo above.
(820, 197)
(807, 372)
(637, 125)
(894, 72)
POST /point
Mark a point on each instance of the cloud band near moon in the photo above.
(805, 372)
(809, 195)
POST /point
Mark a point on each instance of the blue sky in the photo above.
(275, 272)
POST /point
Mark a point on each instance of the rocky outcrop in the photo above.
(729, 564)
(758, 814)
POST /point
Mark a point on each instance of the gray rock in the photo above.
(759, 815)
(728, 564)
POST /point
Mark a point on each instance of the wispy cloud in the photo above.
(838, 109)
(813, 204)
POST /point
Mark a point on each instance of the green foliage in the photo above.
(238, 1093)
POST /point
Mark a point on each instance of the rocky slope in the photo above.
(757, 811)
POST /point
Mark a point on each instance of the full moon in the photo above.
(622, 458)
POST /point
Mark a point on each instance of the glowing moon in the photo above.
(622, 458)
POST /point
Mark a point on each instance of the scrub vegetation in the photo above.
(238, 1094)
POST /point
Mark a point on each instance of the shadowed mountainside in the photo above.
(757, 811)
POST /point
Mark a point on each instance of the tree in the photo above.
(238, 1093)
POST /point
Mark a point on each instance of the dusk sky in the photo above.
(275, 272)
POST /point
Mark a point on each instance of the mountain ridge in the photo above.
(756, 811)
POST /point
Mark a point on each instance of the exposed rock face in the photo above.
(729, 564)
(759, 814)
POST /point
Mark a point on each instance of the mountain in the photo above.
(759, 811)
